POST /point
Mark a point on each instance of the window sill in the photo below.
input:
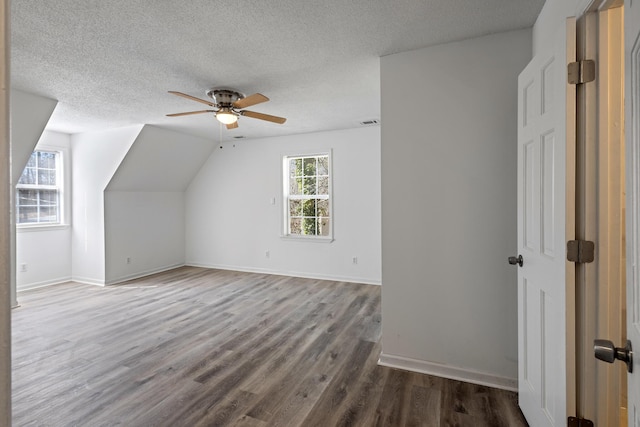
(307, 239)
(41, 227)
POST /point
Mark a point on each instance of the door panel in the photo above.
(546, 180)
(548, 210)
(529, 195)
(632, 129)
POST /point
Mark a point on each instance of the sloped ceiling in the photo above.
(111, 63)
(29, 117)
(160, 160)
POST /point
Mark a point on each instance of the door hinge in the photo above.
(579, 422)
(581, 72)
(581, 251)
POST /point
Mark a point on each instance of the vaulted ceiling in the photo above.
(111, 63)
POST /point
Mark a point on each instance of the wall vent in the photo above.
(370, 122)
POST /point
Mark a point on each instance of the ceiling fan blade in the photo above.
(250, 100)
(232, 125)
(190, 112)
(262, 116)
(193, 98)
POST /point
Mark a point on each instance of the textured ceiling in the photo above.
(110, 63)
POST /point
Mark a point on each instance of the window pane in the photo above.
(27, 197)
(324, 227)
(297, 167)
(46, 177)
(49, 214)
(28, 176)
(48, 198)
(309, 208)
(323, 185)
(295, 207)
(310, 185)
(310, 166)
(46, 160)
(295, 186)
(323, 165)
(292, 167)
(323, 207)
(309, 226)
(27, 214)
(32, 160)
(295, 226)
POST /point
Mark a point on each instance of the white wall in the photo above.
(144, 203)
(551, 17)
(46, 251)
(95, 156)
(449, 298)
(147, 228)
(29, 116)
(231, 223)
(46, 254)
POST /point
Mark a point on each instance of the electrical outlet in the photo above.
(267, 254)
(23, 268)
(128, 260)
(355, 260)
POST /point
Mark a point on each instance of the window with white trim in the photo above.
(307, 196)
(39, 188)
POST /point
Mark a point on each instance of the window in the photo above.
(38, 189)
(308, 196)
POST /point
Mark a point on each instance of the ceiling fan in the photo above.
(229, 104)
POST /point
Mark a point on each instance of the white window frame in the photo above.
(61, 181)
(286, 234)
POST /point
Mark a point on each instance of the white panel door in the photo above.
(632, 130)
(546, 211)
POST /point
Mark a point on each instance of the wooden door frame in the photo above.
(600, 286)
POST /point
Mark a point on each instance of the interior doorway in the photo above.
(600, 214)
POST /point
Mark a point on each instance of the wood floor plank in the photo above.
(247, 421)
(365, 394)
(424, 407)
(204, 347)
(395, 404)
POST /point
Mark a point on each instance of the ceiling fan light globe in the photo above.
(226, 118)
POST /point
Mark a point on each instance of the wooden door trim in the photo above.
(586, 205)
(570, 226)
(600, 201)
(611, 223)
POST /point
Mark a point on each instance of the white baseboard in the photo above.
(140, 274)
(30, 286)
(450, 372)
(287, 273)
(98, 282)
(87, 280)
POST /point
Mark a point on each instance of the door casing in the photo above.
(600, 286)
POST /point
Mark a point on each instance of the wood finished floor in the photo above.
(200, 347)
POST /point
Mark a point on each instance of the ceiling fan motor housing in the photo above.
(224, 97)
